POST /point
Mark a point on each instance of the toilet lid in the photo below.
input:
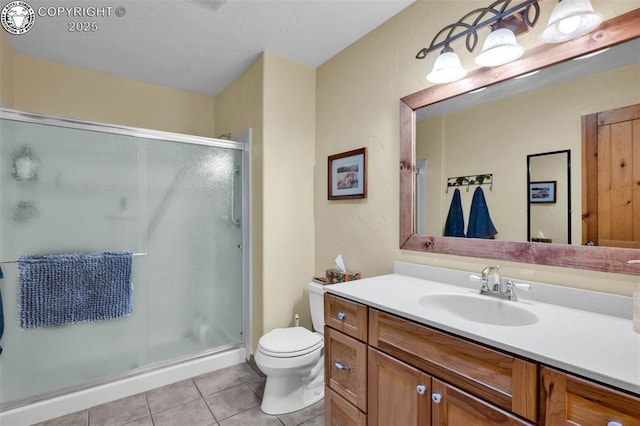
(292, 341)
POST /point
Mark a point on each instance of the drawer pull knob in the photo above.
(436, 397)
(341, 315)
(341, 366)
(421, 389)
(614, 424)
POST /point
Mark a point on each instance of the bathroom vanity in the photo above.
(402, 350)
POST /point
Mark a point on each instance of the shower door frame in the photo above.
(244, 147)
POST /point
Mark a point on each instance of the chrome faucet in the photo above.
(498, 287)
(494, 273)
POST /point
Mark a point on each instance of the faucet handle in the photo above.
(510, 289)
(521, 286)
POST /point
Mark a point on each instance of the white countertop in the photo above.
(601, 347)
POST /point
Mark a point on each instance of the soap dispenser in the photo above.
(636, 309)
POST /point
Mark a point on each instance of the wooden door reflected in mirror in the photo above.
(611, 178)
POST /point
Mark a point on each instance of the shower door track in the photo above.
(30, 117)
(151, 368)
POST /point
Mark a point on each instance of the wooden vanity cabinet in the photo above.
(404, 373)
(400, 394)
(569, 400)
(503, 380)
(345, 361)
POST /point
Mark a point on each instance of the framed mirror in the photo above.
(549, 197)
(509, 245)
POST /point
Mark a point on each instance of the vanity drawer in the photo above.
(567, 399)
(346, 316)
(346, 367)
(506, 381)
(337, 411)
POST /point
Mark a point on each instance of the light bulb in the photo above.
(569, 25)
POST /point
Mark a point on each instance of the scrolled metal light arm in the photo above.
(498, 10)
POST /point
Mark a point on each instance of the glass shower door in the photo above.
(177, 203)
(64, 191)
(194, 240)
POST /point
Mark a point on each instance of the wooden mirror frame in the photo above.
(605, 259)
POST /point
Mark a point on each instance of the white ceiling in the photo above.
(200, 45)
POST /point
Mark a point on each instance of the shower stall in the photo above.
(178, 202)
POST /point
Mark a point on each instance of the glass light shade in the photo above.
(570, 19)
(499, 48)
(446, 69)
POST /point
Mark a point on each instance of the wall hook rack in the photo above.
(483, 179)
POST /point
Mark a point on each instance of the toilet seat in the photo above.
(289, 342)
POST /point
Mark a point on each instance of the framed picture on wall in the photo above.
(347, 175)
(542, 192)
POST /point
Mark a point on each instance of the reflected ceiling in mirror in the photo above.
(617, 260)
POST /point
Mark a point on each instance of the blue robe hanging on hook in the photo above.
(454, 226)
(480, 224)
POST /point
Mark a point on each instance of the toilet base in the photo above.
(283, 395)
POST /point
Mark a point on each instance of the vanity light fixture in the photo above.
(447, 68)
(570, 19)
(500, 47)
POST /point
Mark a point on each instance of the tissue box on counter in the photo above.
(334, 276)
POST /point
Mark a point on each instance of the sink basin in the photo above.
(483, 309)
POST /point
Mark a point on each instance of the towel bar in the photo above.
(15, 261)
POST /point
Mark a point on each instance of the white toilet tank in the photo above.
(316, 305)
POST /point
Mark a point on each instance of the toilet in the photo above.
(293, 360)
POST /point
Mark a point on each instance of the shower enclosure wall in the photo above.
(174, 200)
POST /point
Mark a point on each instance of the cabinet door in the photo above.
(337, 411)
(569, 400)
(398, 393)
(452, 406)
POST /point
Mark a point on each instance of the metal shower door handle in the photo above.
(234, 220)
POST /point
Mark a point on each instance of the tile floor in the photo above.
(227, 397)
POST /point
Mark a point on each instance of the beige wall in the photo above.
(429, 146)
(49, 88)
(357, 105)
(276, 97)
(239, 107)
(289, 158)
(36, 85)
